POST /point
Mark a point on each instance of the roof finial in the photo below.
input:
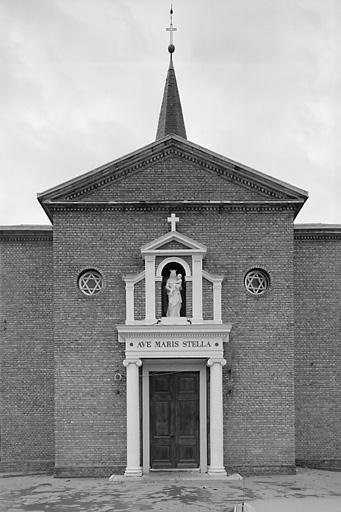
(171, 29)
(171, 120)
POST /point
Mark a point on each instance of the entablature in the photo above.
(174, 341)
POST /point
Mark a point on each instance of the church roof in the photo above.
(271, 190)
(171, 119)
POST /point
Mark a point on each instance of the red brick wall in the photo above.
(317, 351)
(139, 300)
(90, 406)
(26, 419)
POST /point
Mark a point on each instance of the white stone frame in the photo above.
(265, 275)
(178, 365)
(217, 282)
(153, 274)
(130, 281)
(187, 345)
(175, 259)
(188, 278)
(81, 288)
(191, 248)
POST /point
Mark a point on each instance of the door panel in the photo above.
(174, 419)
(187, 419)
(161, 427)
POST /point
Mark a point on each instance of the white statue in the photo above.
(174, 287)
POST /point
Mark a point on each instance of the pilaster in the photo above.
(150, 288)
(130, 306)
(217, 301)
(197, 287)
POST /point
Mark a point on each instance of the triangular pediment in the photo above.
(173, 242)
(172, 169)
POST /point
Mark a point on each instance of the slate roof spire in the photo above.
(171, 119)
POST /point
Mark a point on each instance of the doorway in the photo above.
(154, 367)
(174, 420)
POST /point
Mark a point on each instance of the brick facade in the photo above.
(243, 227)
(317, 347)
(87, 349)
(179, 175)
(27, 365)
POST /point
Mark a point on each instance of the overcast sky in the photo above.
(81, 84)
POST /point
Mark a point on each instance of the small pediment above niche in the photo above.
(173, 245)
(173, 242)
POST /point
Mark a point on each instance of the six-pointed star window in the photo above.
(90, 282)
(256, 282)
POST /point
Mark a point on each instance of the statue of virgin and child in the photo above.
(173, 288)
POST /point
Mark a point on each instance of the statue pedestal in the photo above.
(179, 320)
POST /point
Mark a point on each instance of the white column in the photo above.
(216, 416)
(133, 418)
(197, 287)
(150, 288)
(130, 316)
(217, 301)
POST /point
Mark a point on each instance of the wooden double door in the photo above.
(174, 420)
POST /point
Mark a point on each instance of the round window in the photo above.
(257, 281)
(90, 282)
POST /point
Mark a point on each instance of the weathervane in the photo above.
(171, 29)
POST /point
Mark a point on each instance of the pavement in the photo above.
(307, 491)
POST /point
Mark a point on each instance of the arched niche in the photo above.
(174, 259)
(165, 273)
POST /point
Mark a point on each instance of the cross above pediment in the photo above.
(173, 220)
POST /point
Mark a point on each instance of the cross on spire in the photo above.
(173, 219)
(171, 29)
(171, 120)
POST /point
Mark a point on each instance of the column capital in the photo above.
(127, 362)
(150, 258)
(216, 360)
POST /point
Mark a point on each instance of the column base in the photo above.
(133, 472)
(216, 471)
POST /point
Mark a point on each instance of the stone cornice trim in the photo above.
(174, 341)
(231, 172)
(26, 238)
(26, 233)
(212, 278)
(134, 278)
(317, 234)
(177, 146)
(291, 205)
(156, 330)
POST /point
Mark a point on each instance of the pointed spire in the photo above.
(171, 119)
